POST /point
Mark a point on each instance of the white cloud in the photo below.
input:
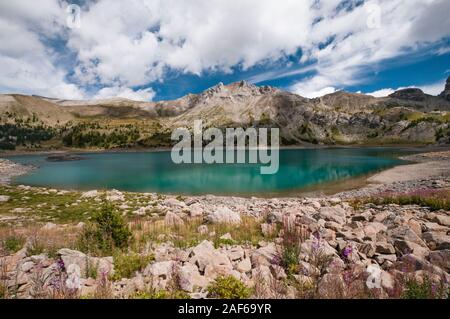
(128, 44)
(382, 92)
(126, 93)
(432, 89)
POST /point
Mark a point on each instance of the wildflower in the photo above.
(347, 252)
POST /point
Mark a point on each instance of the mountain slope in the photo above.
(406, 116)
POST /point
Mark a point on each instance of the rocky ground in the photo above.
(345, 246)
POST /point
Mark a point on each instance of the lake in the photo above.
(300, 169)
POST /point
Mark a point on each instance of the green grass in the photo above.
(433, 199)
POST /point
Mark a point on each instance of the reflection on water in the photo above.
(155, 172)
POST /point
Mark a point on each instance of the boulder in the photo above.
(264, 255)
(90, 194)
(205, 254)
(407, 247)
(195, 210)
(235, 253)
(103, 265)
(244, 266)
(437, 240)
(442, 220)
(440, 258)
(190, 279)
(173, 203)
(223, 215)
(172, 219)
(4, 198)
(405, 233)
(115, 196)
(331, 214)
(160, 273)
(384, 248)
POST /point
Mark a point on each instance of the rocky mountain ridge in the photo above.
(406, 116)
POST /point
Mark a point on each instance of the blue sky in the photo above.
(163, 49)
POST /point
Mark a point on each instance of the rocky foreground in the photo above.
(330, 247)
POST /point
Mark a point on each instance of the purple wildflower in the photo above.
(347, 252)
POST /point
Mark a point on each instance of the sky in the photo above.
(152, 50)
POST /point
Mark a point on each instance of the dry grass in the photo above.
(187, 235)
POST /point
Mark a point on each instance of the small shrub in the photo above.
(125, 265)
(161, 294)
(423, 290)
(105, 232)
(13, 243)
(228, 288)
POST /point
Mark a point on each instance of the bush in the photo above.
(423, 290)
(106, 232)
(125, 265)
(13, 243)
(228, 288)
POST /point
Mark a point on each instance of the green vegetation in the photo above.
(106, 232)
(13, 243)
(13, 135)
(187, 235)
(125, 265)
(228, 288)
(425, 289)
(435, 200)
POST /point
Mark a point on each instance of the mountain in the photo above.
(406, 116)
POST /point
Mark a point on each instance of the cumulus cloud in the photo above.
(123, 45)
(126, 93)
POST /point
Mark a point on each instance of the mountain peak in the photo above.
(446, 93)
(412, 94)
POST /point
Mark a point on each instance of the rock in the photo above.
(264, 255)
(384, 248)
(415, 226)
(372, 229)
(382, 258)
(90, 194)
(442, 220)
(437, 240)
(434, 227)
(172, 219)
(4, 198)
(160, 273)
(244, 266)
(115, 196)
(387, 280)
(103, 265)
(235, 253)
(224, 215)
(27, 266)
(407, 247)
(440, 258)
(202, 229)
(331, 214)
(190, 279)
(49, 226)
(367, 249)
(405, 233)
(173, 203)
(380, 217)
(195, 210)
(331, 286)
(204, 254)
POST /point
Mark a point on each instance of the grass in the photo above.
(248, 232)
(125, 265)
(228, 288)
(433, 199)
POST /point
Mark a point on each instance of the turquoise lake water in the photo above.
(155, 172)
